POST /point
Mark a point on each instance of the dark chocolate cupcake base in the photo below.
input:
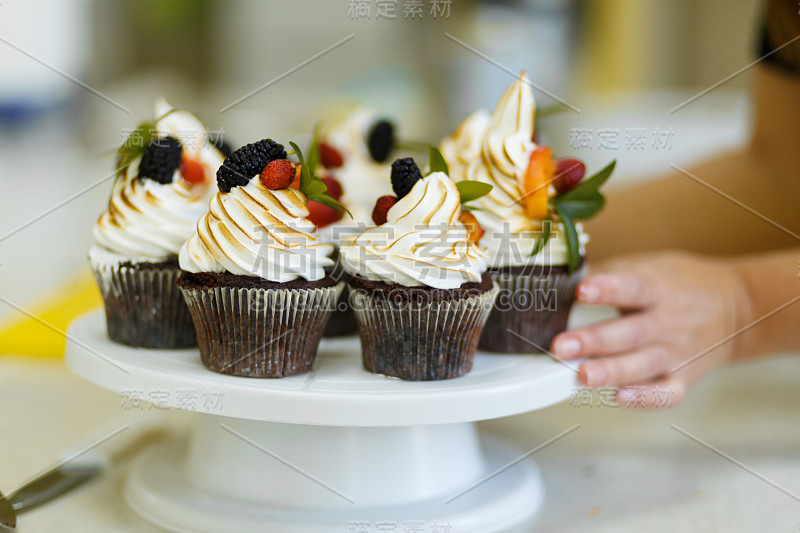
(144, 307)
(532, 307)
(247, 326)
(420, 333)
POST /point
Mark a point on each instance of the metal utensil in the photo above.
(98, 452)
(8, 518)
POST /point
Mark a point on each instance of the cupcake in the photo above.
(254, 273)
(164, 181)
(417, 280)
(530, 217)
(353, 150)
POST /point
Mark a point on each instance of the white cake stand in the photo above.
(336, 449)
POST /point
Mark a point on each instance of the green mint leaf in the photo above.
(330, 201)
(573, 244)
(472, 190)
(436, 160)
(465, 207)
(589, 186)
(313, 150)
(547, 229)
(310, 184)
(582, 208)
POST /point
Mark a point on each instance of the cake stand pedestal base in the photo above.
(253, 476)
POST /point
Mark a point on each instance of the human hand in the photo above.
(679, 316)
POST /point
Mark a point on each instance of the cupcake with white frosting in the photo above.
(417, 283)
(164, 180)
(530, 218)
(255, 272)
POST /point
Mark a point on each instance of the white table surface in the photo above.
(619, 471)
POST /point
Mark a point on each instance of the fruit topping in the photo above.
(380, 140)
(382, 206)
(536, 181)
(322, 215)
(405, 173)
(569, 173)
(278, 174)
(246, 162)
(192, 171)
(330, 156)
(474, 229)
(334, 187)
(160, 159)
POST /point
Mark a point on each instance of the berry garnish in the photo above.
(569, 173)
(246, 162)
(160, 159)
(330, 156)
(382, 206)
(537, 178)
(380, 140)
(405, 173)
(192, 171)
(474, 229)
(278, 174)
(334, 187)
(221, 145)
(322, 215)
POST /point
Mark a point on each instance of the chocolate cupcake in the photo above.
(536, 247)
(255, 272)
(165, 178)
(417, 284)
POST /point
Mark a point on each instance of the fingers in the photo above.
(620, 289)
(659, 394)
(640, 366)
(614, 336)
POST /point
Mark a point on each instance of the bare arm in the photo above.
(682, 212)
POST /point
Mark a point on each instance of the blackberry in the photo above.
(246, 162)
(380, 140)
(160, 159)
(221, 145)
(405, 173)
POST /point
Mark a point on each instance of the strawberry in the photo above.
(569, 173)
(278, 174)
(334, 187)
(330, 156)
(382, 206)
(322, 215)
(192, 171)
(536, 181)
(473, 226)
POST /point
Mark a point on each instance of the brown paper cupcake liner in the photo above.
(144, 307)
(532, 307)
(343, 319)
(256, 332)
(419, 339)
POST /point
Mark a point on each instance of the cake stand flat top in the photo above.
(337, 392)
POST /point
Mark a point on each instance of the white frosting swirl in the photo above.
(423, 243)
(150, 221)
(463, 146)
(510, 235)
(254, 231)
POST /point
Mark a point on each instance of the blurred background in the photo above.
(77, 75)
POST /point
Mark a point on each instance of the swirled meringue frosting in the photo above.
(505, 148)
(463, 146)
(149, 221)
(255, 231)
(422, 243)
